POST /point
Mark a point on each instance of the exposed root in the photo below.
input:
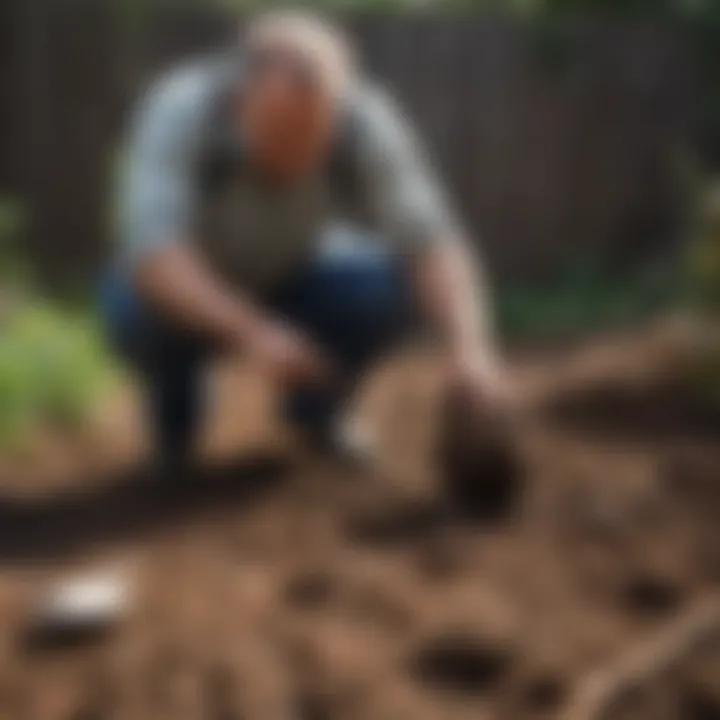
(642, 661)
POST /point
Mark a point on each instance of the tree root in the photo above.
(642, 661)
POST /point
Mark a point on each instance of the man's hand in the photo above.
(285, 355)
(176, 282)
(478, 451)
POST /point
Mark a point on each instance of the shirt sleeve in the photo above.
(404, 195)
(157, 192)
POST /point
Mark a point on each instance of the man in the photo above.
(277, 205)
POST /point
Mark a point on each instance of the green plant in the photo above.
(52, 363)
(585, 297)
(53, 368)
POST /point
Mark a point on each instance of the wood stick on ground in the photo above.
(643, 660)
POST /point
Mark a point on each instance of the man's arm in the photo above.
(410, 206)
(454, 296)
(157, 206)
(175, 282)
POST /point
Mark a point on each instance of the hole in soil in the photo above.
(486, 487)
(461, 664)
(480, 465)
(311, 590)
(50, 638)
(650, 595)
(408, 523)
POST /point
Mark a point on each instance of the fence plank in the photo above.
(545, 160)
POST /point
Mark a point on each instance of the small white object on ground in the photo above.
(355, 442)
(93, 600)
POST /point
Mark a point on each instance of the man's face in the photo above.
(286, 114)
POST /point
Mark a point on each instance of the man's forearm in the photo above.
(175, 282)
(454, 297)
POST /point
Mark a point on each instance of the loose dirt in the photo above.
(277, 586)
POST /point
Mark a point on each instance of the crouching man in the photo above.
(278, 205)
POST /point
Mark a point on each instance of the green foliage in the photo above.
(53, 368)
(52, 364)
(585, 297)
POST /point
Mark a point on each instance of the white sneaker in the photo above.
(353, 444)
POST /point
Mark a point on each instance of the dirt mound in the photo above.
(301, 593)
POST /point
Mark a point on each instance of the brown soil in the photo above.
(275, 589)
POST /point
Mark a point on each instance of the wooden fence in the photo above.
(556, 144)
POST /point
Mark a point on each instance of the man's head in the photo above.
(298, 69)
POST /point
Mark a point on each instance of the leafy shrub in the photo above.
(52, 370)
(52, 363)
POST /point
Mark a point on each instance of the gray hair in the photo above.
(323, 45)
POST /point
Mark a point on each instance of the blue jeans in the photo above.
(354, 304)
